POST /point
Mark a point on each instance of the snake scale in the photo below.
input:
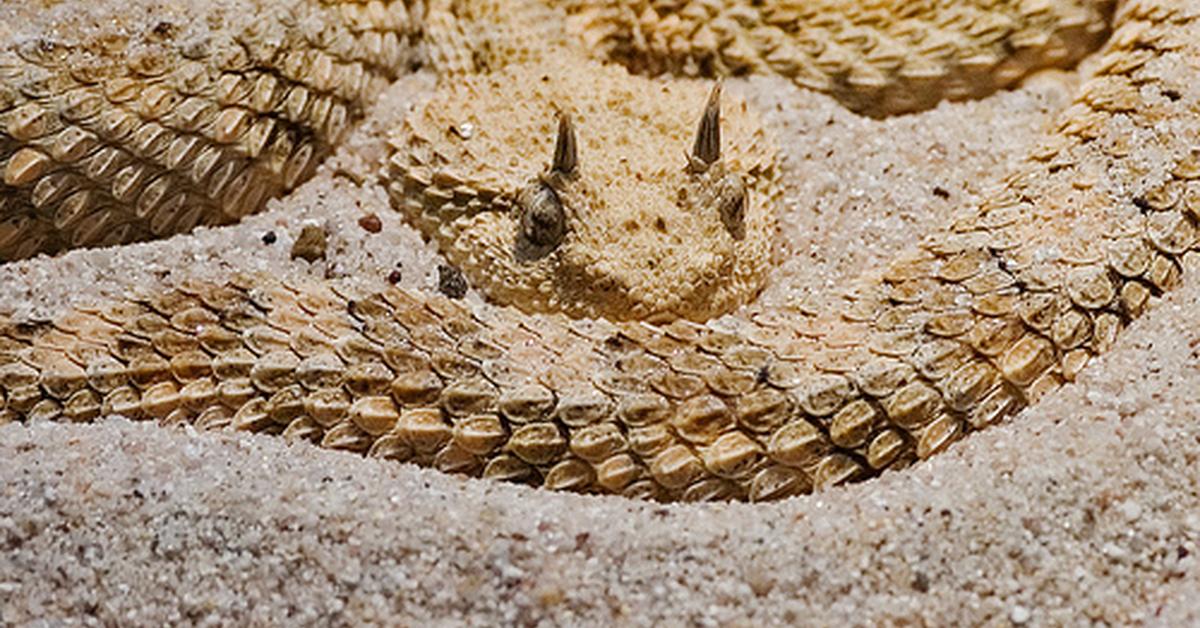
(103, 141)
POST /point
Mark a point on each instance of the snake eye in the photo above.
(731, 202)
(543, 222)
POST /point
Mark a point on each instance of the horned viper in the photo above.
(985, 316)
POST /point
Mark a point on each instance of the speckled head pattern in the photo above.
(590, 194)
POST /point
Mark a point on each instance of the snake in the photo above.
(624, 353)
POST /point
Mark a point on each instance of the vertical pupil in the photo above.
(732, 199)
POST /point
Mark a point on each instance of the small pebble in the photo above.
(269, 238)
(1131, 510)
(451, 282)
(760, 581)
(310, 245)
(371, 223)
(920, 582)
(1113, 551)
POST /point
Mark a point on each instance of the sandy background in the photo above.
(1082, 508)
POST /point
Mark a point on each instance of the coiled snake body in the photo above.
(538, 169)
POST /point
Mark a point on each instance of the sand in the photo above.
(1081, 509)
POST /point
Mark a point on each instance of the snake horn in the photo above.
(566, 152)
(707, 148)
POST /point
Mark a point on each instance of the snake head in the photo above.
(613, 223)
